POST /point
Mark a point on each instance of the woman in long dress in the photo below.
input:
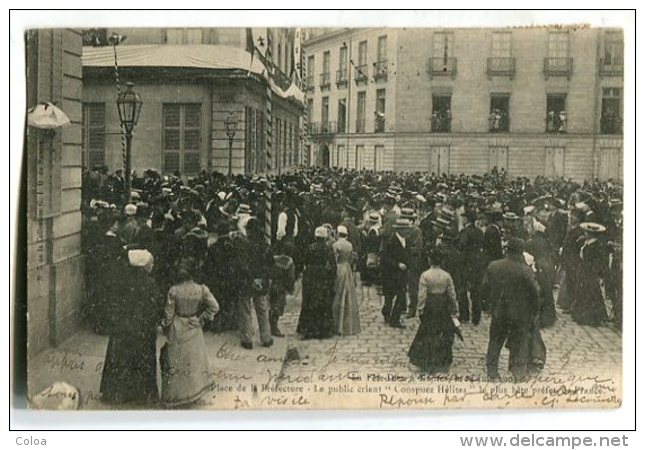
(588, 306)
(431, 349)
(185, 372)
(130, 368)
(316, 318)
(540, 248)
(345, 307)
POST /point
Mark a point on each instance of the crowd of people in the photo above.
(200, 254)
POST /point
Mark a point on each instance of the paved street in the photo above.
(575, 354)
(369, 363)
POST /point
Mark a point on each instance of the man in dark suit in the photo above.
(471, 245)
(493, 236)
(513, 295)
(394, 262)
(417, 264)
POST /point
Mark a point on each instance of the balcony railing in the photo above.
(360, 74)
(501, 67)
(611, 68)
(360, 126)
(442, 67)
(341, 78)
(325, 80)
(380, 70)
(611, 124)
(309, 83)
(322, 128)
(558, 67)
(341, 128)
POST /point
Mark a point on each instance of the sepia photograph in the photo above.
(324, 218)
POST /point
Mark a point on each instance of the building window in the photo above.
(311, 71)
(379, 114)
(362, 53)
(611, 120)
(342, 115)
(558, 62)
(441, 114)
(324, 113)
(325, 79)
(360, 112)
(613, 48)
(250, 143)
(182, 138)
(380, 66)
(502, 44)
(93, 134)
(381, 50)
(442, 62)
(501, 62)
(260, 155)
(499, 117)
(611, 62)
(558, 44)
(341, 75)
(361, 68)
(556, 113)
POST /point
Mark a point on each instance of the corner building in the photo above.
(190, 81)
(530, 101)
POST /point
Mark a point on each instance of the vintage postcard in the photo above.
(244, 218)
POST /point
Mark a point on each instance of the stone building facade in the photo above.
(531, 101)
(54, 262)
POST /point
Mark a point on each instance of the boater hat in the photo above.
(592, 227)
(402, 223)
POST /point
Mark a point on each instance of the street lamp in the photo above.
(129, 104)
(231, 125)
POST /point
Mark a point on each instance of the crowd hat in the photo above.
(592, 227)
(321, 232)
(374, 217)
(408, 213)
(342, 229)
(511, 216)
(244, 209)
(130, 209)
(402, 223)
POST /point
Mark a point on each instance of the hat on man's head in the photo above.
(402, 223)
(515, 245)
(374, 217)
(130, 209)
(244, 209)
(592, 227)
(511, 216)
(408, 213)
(342, 229)
(321, 232)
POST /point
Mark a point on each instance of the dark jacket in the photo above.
(511, 289)
(493, 243)
(393, 254)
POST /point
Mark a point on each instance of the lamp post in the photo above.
(129, 104)
(231, 125)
